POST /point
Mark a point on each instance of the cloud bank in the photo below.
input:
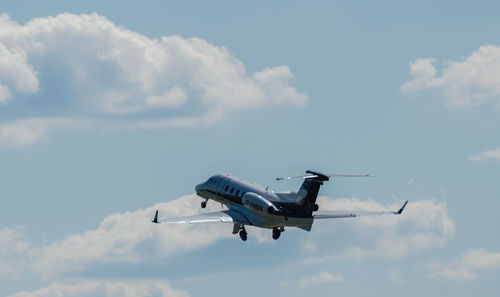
(130, 237)
(472, 81)
(424, 224)
(487, 155)
(468, 265)
(91, 288)
(86, 66)
(323, 277)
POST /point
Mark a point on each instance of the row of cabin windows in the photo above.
(232, 190)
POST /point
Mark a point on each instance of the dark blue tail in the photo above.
(308, 192)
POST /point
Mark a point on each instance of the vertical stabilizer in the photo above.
(308, 192)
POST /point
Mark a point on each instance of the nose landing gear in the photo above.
(204, 204)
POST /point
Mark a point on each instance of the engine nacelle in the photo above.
(257, 203)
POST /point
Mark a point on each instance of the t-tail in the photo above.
(308, 192)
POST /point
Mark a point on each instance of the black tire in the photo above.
(276, 233)
(203, 204)
(243, 235)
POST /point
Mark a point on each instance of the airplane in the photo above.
(252, 205)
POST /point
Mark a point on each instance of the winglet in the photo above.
(401, 209)
(155, 220)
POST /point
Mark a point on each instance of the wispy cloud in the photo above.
(323, 277)
(468, 265)
(472, 81)
(487, 155)
(423, 224)
(128, 237)
(105, 288)
(28, 131)
(16, 75)
(14, 245)
(110, 74)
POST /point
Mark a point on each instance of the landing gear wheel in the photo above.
(203, 204)
(243, 235)
(276, 233)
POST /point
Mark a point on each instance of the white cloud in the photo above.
(472, 81)
(468, 265)
(488, 155)
(4, 94)
(14, 244)
(107, 70)
(128, 237)
(323, 277)
(28, 131)
(15, 72)
(424, 74)
(422, 225)
(174, 97)
(105, 288)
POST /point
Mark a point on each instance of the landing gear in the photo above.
(243, 233)
(204, 204)
(277, 232)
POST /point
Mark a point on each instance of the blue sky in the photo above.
(111, 110)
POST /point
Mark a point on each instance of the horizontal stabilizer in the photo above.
(323, 176)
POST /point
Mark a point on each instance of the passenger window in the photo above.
(227, 187)
(232, 190)
(237, 192)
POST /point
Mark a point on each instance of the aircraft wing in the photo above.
(335, 214)
(226, 216)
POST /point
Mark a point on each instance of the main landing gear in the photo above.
(204, 204)
(237, 228)
(277, 232)
(243, 233)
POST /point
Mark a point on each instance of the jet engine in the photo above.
(257, 203)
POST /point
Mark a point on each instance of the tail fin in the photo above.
(308, 192)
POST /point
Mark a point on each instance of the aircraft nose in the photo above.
(199, 187)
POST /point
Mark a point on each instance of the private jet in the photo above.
(249, 204)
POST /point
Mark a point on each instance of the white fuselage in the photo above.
(253, 202)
